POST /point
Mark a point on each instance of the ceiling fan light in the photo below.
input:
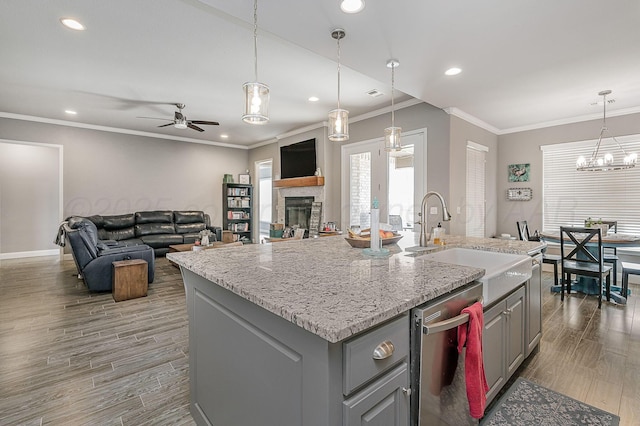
(256, 103)
(338, 125)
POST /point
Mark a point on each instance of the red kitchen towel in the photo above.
(471, 335)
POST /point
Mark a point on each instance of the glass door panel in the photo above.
(360, 190)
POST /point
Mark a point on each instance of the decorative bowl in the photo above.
(366, 243)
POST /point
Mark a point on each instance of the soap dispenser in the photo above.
(438, 233)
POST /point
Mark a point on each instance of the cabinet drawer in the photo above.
(359, 365)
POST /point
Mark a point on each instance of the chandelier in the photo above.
(607, 161)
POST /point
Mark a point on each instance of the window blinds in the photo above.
(475, 194)
(571, 196)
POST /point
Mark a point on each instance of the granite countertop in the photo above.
(331, 289)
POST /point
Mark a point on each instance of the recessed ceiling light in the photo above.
(314, 99)
(224, 136)
(352, 6)
(70, 111)
(453, 71)
(72, 23)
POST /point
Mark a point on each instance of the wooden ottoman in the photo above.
(130, 279)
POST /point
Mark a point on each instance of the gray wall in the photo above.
(29, 182)
(462, 132)
(524, 147)
(411, 118)
(113, 173)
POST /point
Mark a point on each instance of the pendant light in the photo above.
(608, 161)
(338, 118)
(392, 134)
(256, 95)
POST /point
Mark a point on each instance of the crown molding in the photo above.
(114, 130)
(456, 112)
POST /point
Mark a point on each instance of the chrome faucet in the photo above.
(423, 221)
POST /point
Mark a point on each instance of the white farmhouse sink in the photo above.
(503, 271)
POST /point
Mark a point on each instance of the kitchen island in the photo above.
(276, 331)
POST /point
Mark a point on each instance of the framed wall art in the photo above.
(519, 172)
(244, 178)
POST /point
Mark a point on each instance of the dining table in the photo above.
(589, 285)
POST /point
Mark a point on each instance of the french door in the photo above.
(396, 179)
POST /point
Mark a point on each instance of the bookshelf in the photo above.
(237, 210)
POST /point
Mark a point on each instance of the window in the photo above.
(571, 196)
(475, 197)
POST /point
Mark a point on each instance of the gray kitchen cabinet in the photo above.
(250, 367)
(385, 402)
(534, 307)
(503, 339)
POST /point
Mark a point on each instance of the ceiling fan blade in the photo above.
(165, 125)
(194, 127)
(156, 118)
(210, 123)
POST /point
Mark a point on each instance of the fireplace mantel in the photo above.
(298, 182)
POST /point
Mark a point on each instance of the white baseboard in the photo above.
(25, 254)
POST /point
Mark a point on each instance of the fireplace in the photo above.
(297, 212)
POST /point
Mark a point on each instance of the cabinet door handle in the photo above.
(406, 391)
(383, 350)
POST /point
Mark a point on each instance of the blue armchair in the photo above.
(93, 257)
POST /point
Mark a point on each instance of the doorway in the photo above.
(396, 179)
(264, 172)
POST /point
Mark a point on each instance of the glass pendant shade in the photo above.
(392, 134)
(338, 125)
(392, 137)
(338, 118)
(256, 103)
(256, 95)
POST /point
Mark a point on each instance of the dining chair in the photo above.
(552, 259)
(610, 253)
(582, 256)
(628, 268)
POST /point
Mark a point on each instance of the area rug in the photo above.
(526, 403)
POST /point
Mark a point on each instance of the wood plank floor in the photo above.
(68, 357)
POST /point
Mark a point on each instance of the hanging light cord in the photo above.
(338, 38)
(255, 37)
(392, 84)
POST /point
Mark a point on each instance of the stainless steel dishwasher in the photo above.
(437, 370)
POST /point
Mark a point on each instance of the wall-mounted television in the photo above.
(298, 159)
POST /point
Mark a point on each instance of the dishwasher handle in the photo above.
(448, 324)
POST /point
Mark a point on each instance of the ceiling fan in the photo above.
(180, 120)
